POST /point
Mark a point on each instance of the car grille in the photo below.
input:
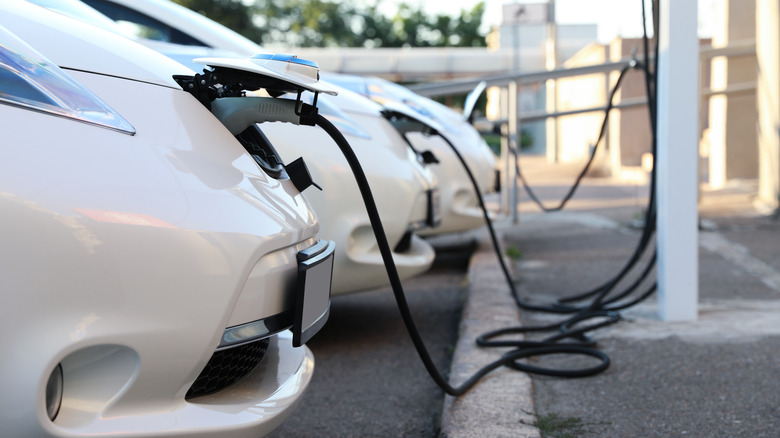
(228, 366)
(404, 244)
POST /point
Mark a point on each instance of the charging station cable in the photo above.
(632, 64)
(650, 214)
(237, 113)
(524, 349)
(600, 307)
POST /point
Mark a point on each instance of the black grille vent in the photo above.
(226, 367)
(405, 243)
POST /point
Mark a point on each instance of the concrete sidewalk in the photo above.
(713, 377)
(501, 405)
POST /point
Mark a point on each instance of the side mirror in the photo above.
(471, 100)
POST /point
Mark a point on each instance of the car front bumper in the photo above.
(252, 407)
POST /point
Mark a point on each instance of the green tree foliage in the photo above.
(308, 23)
(414, 28)
(233, 14)
(331, 23)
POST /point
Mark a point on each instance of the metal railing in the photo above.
(465, 85)
(511, 116)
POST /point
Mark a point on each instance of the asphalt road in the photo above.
(696, 382)
(710, 378)
(368, 379)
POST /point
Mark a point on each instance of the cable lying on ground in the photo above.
(601, 309)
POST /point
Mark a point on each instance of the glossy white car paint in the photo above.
(125, 257)
(399, 183)
(461, 209)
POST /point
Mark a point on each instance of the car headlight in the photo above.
(29, 80)
(54, 392)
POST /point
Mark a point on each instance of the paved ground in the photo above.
(715, 377)
(711, 378)
(368, 380)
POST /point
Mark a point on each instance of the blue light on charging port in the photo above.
(286, 58)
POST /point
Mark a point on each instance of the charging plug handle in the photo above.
(239, 113)
(405, 125)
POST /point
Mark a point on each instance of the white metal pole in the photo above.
(768, 94)
(677, 171)
(551, 87)
(506, 154)
(514, 146)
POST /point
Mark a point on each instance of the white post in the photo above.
(677, 174)
(550, 85)
(506, 154)
(768, 94)
(514, 146)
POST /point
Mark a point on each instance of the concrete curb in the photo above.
(501, 405)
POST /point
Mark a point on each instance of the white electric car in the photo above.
(166, 23)
(461, 209)
(406, 192)
(155, 278)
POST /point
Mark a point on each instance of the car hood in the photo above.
(73, 45)
(348, 100)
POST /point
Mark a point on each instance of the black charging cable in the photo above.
(610, 104)
(567, 329)
(571, 329)
(524, 349)
(601, 306)
(650, 214)
(648, 230)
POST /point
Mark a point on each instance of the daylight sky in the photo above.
(614, 17)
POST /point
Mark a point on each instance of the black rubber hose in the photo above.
(524, 348)
(582, 314)
(601, 303)
(650, 216)
(403, 307)
(647, 231)
(602, 132)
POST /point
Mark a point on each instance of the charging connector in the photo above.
(222, 88)
(238, 113)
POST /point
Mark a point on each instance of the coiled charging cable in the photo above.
(524, 349)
